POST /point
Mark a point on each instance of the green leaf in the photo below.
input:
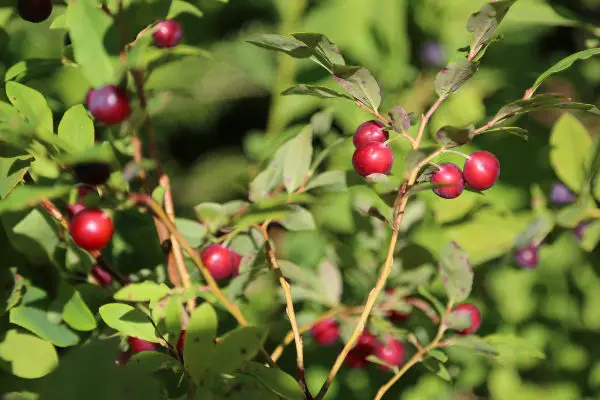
(144, 291)
(484, 22)
(60, 22)
(258, 215)
(27, 356)
(36, 321)
(542, 102)
(11, 290)
(367, 202)
(284, 43)
(511, 348)
(199, 345)
(330, 279)
(299, 219)
(401, 120)
(297, 161)
(475, 344)
(591, 236)
(450, 136)
(360, 84)
(535, 232)
(436, 366)
(272, 176)
(450, 79)
(456, 272)
(183, 7)
(563, 65)
(191, 230)
(129, 321)
(77, 128)
(173, 318)
(299, 275)
(438, 355)
(31, 104)
(76, 312)
(212, 215)
(331, 180)
(154, 361)
(87, 29)
(27, 196)
(315, 90)
(13, 167)
(237, 347)
(275, 380)
(571, 144)
(513, 130)
(32, 68)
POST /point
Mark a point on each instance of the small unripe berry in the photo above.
(34, 10)
(481, 170)
(560, 194)
(451, 177)
(392, 352)
(218, 261)
(108, 104)
(102, 277)
(91, 229)
(180, 342)
(167, 33)
(370, 131)
(236, 259)
(373, 158)
(472, 313)
(137, 345)
(527, 257)
(92, 173)
(326, 332)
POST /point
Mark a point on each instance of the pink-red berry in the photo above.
(167, 33)
(218, 261)
(370, 131)
(102, 277)
(373, 158)
(108, 104)
(356, 358)
(91, 229)
(137, 345)
(472, 313)
(527, 257)
(237, 261)
(450, 179)
(180, 342)
(326, 332)
(392, 352)
(481, 170)
(34, 10)
(366, 345)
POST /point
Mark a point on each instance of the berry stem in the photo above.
(425, 119)
(418, 356)
(285, 286)
(456, 152)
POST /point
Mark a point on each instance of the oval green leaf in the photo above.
(199, 345)
(39, 359)
(36, 321)
(128, 320)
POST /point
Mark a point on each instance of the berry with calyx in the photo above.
(560, 194)
(373, 158)
(218, 261)
(167, 33)
(481, 170)
(180, 342)
(236, 260)
(91, 229)
(34, 10)
(326, 332)
(108, 104)
(367, 342)
(527, 257)
(370, 131)
(470, 312)
(102, 277)
(451, 178)
(137, 345)
(92, 173)
(392, 352)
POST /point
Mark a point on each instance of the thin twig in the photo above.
(285, 286)
(231, 307)
(418, 356)
(425, 119)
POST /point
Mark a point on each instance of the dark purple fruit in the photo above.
(92, 173)
(34, 10)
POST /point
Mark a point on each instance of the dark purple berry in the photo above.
(34, 10)
(560, 194)
(167, 33)
(108, 104)
(433, 54)
(527, 257)
(580, 229)
(92, 173)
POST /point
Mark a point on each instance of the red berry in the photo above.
(102, 277)
(73, 209)
(218, 260)
(370, 131)
(367, 342)
(92, 173)
(137, 345)
(481, 170)
(91, 229)
(167, 33)
(237, 260)
(472, 313)
(394, 315)
(326, 332)
(180, 342)
(108, 104)
(373, 158)
(527, 257)
(393, 352)
(34, 10)
(451, 177)
(122, 358)
(356, 358)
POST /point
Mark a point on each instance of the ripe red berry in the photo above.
(180, 342)
(451, 177)
(218, 260)
(137, 345)
(34, 10)
(392, 352)
(122, 358)
(108, 104)
(373, 158)
(367, 342)
(527, 257)
(370, 131)
(237, 260)
(471, 312)
(73, 209)
(91, 229)
(92, 173)
(102, 277)
(356, 358)
(167, 33)
(481, 170)
(326, 332)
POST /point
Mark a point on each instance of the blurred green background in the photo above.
(219, 116)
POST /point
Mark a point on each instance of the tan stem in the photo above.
(425, 119)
